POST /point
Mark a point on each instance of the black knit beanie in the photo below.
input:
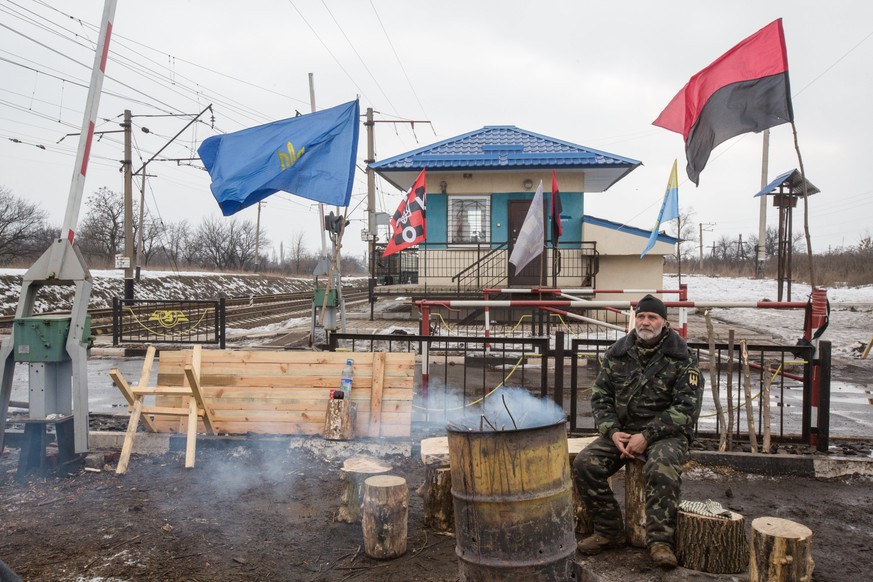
(652, 304)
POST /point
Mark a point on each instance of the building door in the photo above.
(530, 275)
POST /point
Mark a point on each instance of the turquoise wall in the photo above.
(437, 216)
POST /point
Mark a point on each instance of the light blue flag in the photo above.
(669, 208)
(312, 156)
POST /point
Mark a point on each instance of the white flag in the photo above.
(532, 236)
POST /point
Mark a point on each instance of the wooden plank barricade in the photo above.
(273, 392)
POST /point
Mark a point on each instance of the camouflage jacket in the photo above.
(659, 398)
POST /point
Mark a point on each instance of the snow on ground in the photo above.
(851, 319)
(851, 307)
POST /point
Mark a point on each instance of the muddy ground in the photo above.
(261, 511)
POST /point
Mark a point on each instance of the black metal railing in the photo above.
(788, 367)
(179, 321)
(470, 267)
(528, 321)
(463, 370)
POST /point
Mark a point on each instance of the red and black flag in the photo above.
(408, 223)
(557, 230)
(746, 89)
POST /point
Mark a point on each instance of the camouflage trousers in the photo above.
(663, 475)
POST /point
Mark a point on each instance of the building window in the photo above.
(469, 220)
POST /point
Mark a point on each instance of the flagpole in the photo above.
(805, 208)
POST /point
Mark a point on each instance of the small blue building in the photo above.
(479, 189)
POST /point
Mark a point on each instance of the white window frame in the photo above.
(456, 230)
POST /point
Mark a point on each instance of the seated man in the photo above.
(645, 402)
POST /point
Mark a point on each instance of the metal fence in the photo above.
(472, 267)
(788, 370)
(602, 324)
(459, 372)
(172, 322)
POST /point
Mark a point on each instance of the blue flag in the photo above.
(669, 208)
(312, 156)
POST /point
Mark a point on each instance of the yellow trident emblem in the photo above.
(168, 317)
(289, 159)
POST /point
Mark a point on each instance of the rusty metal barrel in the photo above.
(512, 496)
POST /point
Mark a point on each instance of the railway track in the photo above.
(241, 312)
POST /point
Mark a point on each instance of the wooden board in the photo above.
(280, 392)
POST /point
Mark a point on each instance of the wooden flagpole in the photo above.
(805, 208)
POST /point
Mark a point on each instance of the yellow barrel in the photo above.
(513, 505)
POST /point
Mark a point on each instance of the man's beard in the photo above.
(648, 334)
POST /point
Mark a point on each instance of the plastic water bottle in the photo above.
(346, 378)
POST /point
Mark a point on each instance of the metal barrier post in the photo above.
(574, 383)
(222, 322)
(559, 368)
(116, 321)
(824, 396)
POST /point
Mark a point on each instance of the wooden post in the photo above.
(713, 383)
(780, 551)
(338, 422)
(712, 544)
(635, 503)
(747, 389)
(355, 471)
(385, 514)
(765, 408)
(439, 506)
(730, 391)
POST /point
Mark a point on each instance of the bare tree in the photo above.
(21, 223)
(102, 231)
(226, 244)
(685, 230)
(176, 240)
(298, 250)
(152, 233)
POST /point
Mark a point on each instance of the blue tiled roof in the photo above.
(503, 147)
(662, 236)
(793, 181)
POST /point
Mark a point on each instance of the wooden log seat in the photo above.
(354, 473)
(384, 516)
(711, 539)
(780, 551)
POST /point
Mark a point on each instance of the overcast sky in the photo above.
(591, 73)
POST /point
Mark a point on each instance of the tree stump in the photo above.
(712, 544)
(780, 550)
(439, 506)
(339, 421)
(635, 503)
(385, 513)
(355, 471)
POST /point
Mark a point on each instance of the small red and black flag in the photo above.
(408, 223)
(557, 230)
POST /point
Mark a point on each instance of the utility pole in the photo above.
(258, 240)
(762, 215)
(371, 208)
(142, 184)
(707, 226)
(128, 207)
(320, 204)
(372, 228)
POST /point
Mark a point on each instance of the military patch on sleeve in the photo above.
(693, 378)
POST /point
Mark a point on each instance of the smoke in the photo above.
(505, 409)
